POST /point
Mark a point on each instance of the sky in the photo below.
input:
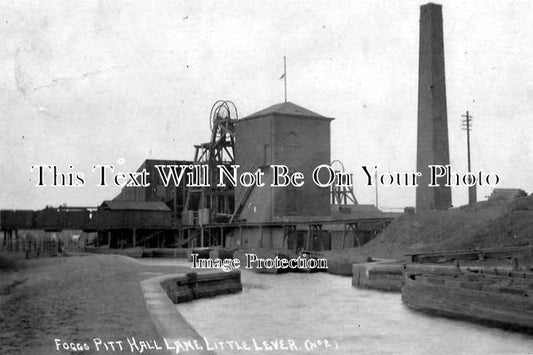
(112, 82)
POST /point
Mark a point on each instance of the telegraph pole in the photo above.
(467, 126)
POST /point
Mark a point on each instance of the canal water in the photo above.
(323, 313)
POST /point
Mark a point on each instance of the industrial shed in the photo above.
(174, 197)
(132, 223)
(133, 214)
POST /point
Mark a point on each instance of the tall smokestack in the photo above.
(432, 145)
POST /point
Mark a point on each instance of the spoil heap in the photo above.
(487, 224)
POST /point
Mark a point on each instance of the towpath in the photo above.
(77, 299)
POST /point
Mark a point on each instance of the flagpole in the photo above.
(285, 75)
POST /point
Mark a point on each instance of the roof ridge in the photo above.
(285, 108)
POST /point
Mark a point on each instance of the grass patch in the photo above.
(10, 262)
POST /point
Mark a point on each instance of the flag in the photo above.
(282, 76)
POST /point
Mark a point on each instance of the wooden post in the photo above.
(309, 233)
(356, 236)
(343, 235)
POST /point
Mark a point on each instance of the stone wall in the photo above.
(383, 276)
(193, 286)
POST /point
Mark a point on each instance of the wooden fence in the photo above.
(32, 248)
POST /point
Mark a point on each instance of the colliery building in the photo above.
(158, 216)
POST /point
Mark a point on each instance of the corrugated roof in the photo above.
(286, 109)
(135, 205)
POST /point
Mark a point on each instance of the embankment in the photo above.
(163, 292)
(487, 224)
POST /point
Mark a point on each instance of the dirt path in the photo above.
(76, 299)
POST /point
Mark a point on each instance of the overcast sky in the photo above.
(93, 82)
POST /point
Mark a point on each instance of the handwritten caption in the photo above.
(133, 345)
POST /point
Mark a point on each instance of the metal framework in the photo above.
(341, 194)
(362, 231)
(218, 151)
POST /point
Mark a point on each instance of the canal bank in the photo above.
(308, 308)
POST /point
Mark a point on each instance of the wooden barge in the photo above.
(503, 301)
